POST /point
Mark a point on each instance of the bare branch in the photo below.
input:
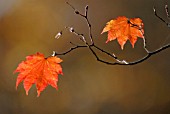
(167, 14)
(71, 6)
(70, 50)
(111, 55)
(154, 9)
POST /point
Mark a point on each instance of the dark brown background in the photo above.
(87, 87)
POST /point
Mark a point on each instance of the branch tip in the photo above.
(53, 54)
(58, 35)
(86, 7)
(154, 9)
(70, 5)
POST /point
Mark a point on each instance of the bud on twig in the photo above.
(71, 29)
(76, 12)
(58, 35)
(87, 7)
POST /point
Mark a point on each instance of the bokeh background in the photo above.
(87, 87)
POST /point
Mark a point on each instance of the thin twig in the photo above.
(85, 15)
(144, 45)
(70, 50)
(89, 25)
(70, 5)
(167, 13)
(154, 9)
(111, 55)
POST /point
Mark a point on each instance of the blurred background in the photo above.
(88, 86)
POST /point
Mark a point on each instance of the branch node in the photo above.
(71, 29)
(124, 62)
(76, 12)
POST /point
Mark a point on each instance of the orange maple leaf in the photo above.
(40, 71)
(124, 29)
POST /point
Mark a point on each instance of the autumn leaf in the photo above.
(124, 29)
(39, 71)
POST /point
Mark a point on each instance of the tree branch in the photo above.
(92, 44)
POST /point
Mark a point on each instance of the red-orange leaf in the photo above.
(40, 71)
(124, 29)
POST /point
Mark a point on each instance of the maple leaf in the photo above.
(124, 29)
(39, 71)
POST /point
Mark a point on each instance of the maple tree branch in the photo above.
(81, 36)
(93, 45)
(85, 15)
